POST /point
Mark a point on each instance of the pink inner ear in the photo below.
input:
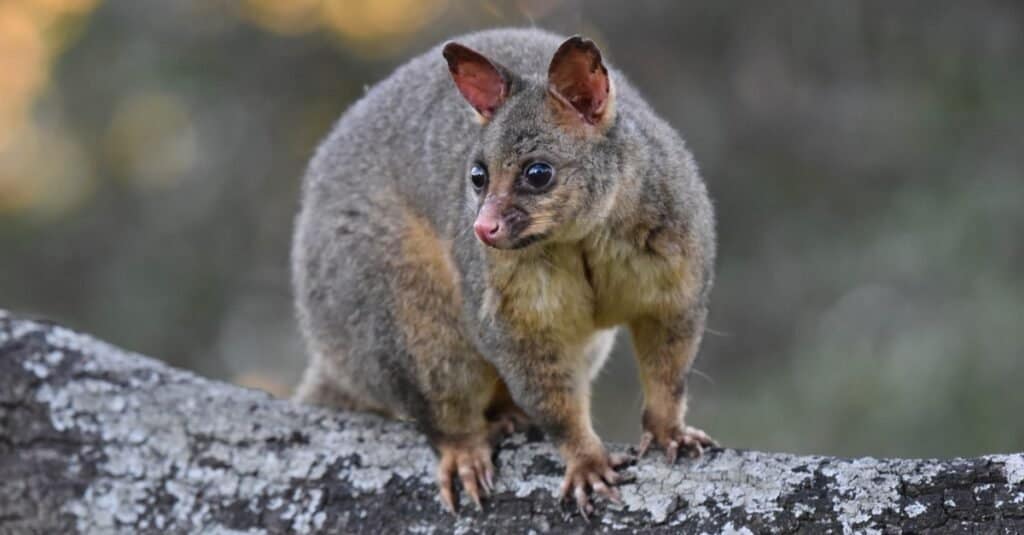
(579, 79)
(588, 96)
(479, 80)
(482, 87)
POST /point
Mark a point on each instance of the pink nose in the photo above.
(488, 229)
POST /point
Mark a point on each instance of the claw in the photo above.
(591, 474)
(563, 491)
(599, 486)
(447, 497)
(614, 496)
(444, 484)
(618, 460)
(645, 443)
(672, 451)
(468, 476)
(627, 477)
(481, 480)
(690, 439)
(481, 477)
(472, 463)
(701, 438)
(582, 501)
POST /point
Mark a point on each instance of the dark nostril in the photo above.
(494, 230)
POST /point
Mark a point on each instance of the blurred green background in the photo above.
(865, 159)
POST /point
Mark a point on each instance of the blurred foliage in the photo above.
(37, 160)
(865, 159)
(366, 24)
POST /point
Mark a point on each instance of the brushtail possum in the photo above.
(472, 232)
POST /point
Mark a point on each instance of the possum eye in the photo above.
(478, 176)
(539, 175)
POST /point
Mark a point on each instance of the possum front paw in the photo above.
(471, 460)
(690, 439)
(592, 470)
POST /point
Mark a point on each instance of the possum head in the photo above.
(546, 162)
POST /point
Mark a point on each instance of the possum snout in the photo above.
(489, 226)
(499, 225)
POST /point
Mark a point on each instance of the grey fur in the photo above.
(407, 145)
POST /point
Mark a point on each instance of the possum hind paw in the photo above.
(691, 440)
(471, 462)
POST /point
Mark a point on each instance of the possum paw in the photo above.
(471, 461)
(594, 473)
(691, 440)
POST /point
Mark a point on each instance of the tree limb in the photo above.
(96, 439)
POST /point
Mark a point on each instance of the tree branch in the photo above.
(95, 439)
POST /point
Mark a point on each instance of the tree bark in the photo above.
(94, 439)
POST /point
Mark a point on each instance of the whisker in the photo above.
(702, 375)
(709, 330)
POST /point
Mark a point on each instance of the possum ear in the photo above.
(578, 83)
(482, 82)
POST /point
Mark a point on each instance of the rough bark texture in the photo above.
(94, 439)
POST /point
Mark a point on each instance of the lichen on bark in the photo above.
(94, 439)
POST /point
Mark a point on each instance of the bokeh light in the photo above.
(373, 27)
(41, 169)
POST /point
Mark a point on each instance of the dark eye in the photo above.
(478, 176)
(539, 175)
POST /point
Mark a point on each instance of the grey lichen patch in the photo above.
(915, 509)
(922, 473)
(122, 443)
(519, 460)
(397, 453)
(1013, 467)
(865, 489)
(39, 370)
(751, 481)
(1013, 471)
